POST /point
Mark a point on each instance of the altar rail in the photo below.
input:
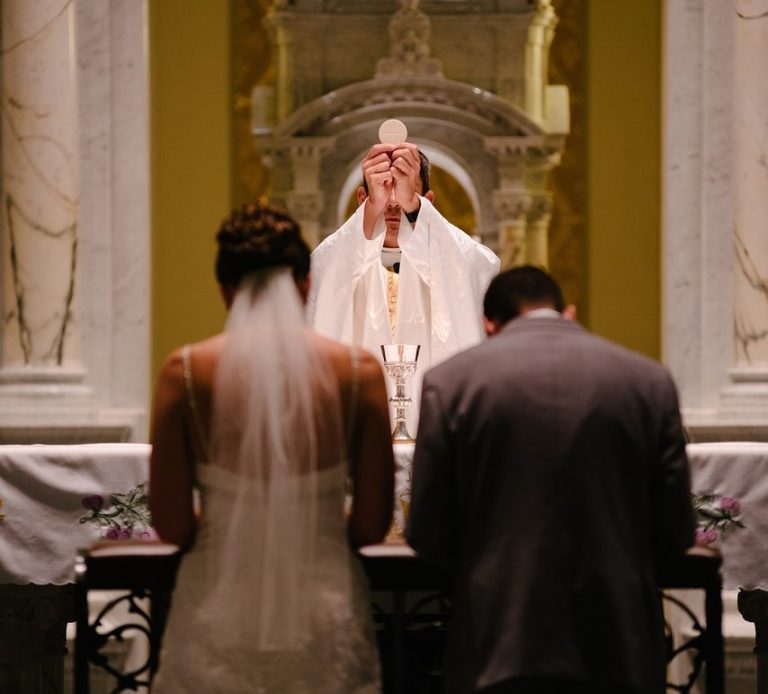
(410, 606)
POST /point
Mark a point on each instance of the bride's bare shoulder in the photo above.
(340, 355)
(203, 356)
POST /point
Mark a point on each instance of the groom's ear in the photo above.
(361, 195)
(491, 326)
(430, 195)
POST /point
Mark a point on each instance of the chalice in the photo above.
(400, 365)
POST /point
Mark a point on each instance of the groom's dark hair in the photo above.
(521, 288)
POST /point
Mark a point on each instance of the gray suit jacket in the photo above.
(550, 478)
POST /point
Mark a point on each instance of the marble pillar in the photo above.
(750, 229)
(715, 215)
(75, 226)
(41, 194)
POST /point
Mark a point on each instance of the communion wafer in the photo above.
(392, 132)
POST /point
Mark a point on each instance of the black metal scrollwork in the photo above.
(129, 680)
(146, 624)
(696, 645)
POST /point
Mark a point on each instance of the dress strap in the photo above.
(186, 360)
(354, 388)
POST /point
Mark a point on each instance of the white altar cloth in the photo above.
(55, 500)
(48, 496)
(738, 470)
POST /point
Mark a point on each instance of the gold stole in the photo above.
(393, 285)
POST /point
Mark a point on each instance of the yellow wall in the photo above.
(191, 179)
(623, 107)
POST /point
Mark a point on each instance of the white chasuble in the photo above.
(442, 280)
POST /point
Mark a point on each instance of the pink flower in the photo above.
(113, 534)
(126, 534)
(705, 537)
(728, 503)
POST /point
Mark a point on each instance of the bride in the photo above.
(256, 434)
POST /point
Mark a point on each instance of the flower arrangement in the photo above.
(716, 516)
(120, 516)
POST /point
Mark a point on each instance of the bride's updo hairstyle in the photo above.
(258, 237)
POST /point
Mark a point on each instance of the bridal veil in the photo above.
(276, 408)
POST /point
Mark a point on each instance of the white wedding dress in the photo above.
(251, 637)
(339, 656)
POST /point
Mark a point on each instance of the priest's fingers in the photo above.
(407, 183)
(379, 189)
(405, 158)
(378, 150)
(376, 166)
(408, 151)
(405, 167)
(379, 164)
(383, 178)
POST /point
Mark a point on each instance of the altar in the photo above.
(57, 500)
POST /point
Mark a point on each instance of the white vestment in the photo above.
(443, 277)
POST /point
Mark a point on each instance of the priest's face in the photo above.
(392, 213)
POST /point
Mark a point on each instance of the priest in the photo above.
(397, 271)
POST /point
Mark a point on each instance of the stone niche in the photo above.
(469, 80)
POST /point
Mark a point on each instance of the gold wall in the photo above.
(605, 231)
(191, 172)
(623, 113)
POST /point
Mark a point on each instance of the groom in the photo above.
(550, 478)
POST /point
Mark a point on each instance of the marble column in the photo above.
(74, 251)
(41, 193)
(714, 216)
(750, 229)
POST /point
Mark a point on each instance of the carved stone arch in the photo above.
(469, 80)
(487, 142)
